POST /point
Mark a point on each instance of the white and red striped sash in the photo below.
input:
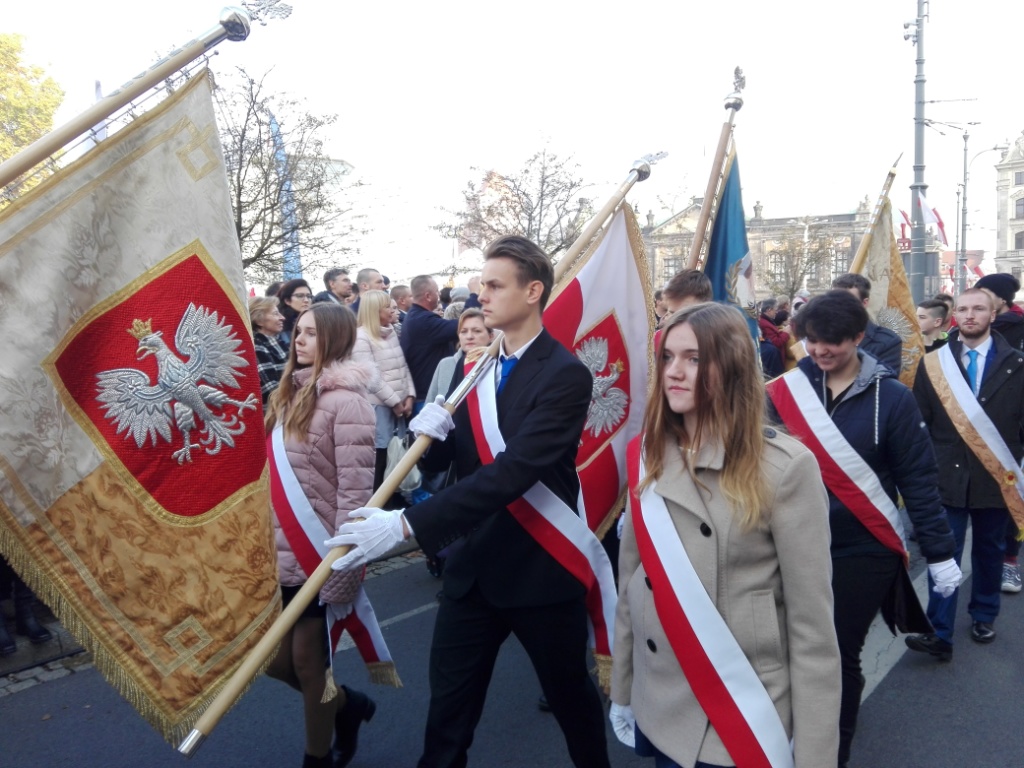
(718, 671)
(552, 523)
(843, 470)
(306, 535)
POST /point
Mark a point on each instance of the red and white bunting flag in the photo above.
(931, 216)
(603, 311)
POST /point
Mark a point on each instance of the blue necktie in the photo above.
(972, 369)
(507, 364)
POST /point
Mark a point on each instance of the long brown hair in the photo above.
(335, 336)
(730, 401)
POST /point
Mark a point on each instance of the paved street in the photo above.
(919, 714)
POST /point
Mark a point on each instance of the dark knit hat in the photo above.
(1003, 285)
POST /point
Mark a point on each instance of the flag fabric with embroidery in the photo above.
(728, 264)
(891, 304)
(133, 487)
(603, 311)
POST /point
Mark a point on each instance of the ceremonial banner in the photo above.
(891, 304)
(728, 264)
(133, 490)
(603, 311)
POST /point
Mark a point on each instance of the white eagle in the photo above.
(607, 403)
(185, 390)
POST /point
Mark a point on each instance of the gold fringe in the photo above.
(172, 729)
(330, 687)
(384, 673)
(604, 671)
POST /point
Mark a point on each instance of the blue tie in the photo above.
(507, 364)
(972, 369)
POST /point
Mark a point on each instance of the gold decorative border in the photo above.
(150, 504)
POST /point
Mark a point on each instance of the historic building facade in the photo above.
(1010, 210)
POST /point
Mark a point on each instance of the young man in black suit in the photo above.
(500, 580)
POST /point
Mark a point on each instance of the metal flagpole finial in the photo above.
(739, 81)
(236, 23)
(643, 165)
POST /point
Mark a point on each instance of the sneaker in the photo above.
(1011, 577)
(931, 644)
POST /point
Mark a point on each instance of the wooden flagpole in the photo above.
(265, 648)
(640, 172)
(733, 104)
(234, 25)
(859, 260)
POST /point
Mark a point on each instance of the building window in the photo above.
(1018, 241)
(1018, 209)
(1018, 178)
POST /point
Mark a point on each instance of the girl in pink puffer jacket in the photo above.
(328, 427)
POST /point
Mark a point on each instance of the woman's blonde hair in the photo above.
(293, 407)
(730, 401)
(259, 308)
(370, 305)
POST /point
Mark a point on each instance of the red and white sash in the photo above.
(553, 524)
(306, 535)
(718, 671)
(843, 470)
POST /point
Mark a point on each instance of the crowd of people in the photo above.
(764, 525)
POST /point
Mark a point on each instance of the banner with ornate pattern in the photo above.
(133, 486)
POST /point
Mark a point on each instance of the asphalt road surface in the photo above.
(919, 713)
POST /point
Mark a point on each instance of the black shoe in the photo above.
(982, 632)
(317, 762)
(930, 644)
(7, 644)
(542, 704)
(26, 623)
(359, 708)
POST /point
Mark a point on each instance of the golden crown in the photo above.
(141, 330)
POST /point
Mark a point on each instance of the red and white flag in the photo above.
(603, 311)
(931, 216)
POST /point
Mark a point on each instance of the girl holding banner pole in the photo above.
(321, 429)
(725, 652)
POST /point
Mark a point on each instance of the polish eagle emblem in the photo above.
(186, 393)
(607, 403)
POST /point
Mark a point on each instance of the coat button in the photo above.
(705, 529)
(647, 581)
(652, 646)
(769, 432)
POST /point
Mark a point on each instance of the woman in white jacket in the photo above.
(391, 391)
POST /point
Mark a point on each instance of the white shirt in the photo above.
(982, 349)
(502, 355)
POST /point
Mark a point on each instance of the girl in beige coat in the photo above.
(751, 514)
(328, 438)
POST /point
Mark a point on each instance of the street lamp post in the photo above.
(962, 275)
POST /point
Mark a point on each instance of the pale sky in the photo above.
(425, 90)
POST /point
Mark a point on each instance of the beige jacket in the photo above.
(393, 382)
(334, 464)
(772, 587)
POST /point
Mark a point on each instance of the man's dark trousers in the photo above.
(989, 529)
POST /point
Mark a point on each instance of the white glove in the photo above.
(378, 534)
(946, 577)
(434, 420)
(623, 723)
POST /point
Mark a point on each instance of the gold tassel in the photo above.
(604, 671)
(384, 673)
(330, 688)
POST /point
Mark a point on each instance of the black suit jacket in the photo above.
(963, 481)
(541, 412)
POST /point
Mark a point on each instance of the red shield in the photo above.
(228, 450)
